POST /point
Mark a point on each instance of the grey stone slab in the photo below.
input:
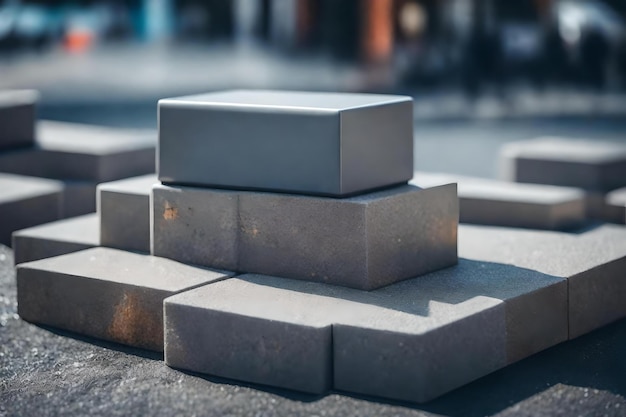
(124, 209)
(56, 238)
(105, 293)
(309, 143)
(79, 198)
(615, 206)
(500, 203)
(412, 340)
(588, 164)
(593, 262)
(27, 201)
(77, 152)
(17, 118)
(362, 242)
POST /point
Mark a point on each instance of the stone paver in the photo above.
(17, 118)
(616, 206)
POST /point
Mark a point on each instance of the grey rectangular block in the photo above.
(362, 242)
(499, 203)
(592, 165)
(105, 293)
(310, 143)
(27, 201)
(79, 198)
(17, 118)
(615, 206)
(592, 261)
(124, 209)
(77, 152)
(56, 238)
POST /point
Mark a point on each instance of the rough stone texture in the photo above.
(17, 118)
(309, 143)
(402, 341)
(362, 242)
(500, 203)
(105, 293)
(592, 164)
(79, 197)
(56, 238)
(83, 153)
(124, 209)
(26, 202)
(615, 206)
(593, 262)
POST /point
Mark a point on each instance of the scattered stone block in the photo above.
(592, 165)
(593, 262)
(124, 209)
(364, 242)
(27, 201)
(76, 152)
(56, 238)
(105, 293)
(17, 118)
(309, 143)
(615, 206)
(499, 203)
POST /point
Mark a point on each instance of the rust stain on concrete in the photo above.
(133, 324)
(170, 213)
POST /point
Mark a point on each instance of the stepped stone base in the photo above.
(105, 293)
(124, 209)
(363, 242)
(56, 238)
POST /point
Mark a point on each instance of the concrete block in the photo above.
(79, 198)
(17, 118)
(76, 152)
(26, 202)
(615, 206)
(56, 238)
(499, 203)
(592, 165)
(309, 143)
(364, 242)
(124, 209)
(593, 262)
(105, 293)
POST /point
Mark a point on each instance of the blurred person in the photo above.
(594, 54)
(481, 66)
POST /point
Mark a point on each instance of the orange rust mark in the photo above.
(170, 213)
(133, 324)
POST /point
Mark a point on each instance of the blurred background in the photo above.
(486, 70)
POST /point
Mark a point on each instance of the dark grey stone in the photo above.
(105, 293)
(17, 118)
(27, 201)
(615, 206)
(124, 209)
(499, 203)
(77, 152)
(592, 165)
(362, 242)
(310, 143)
(56, 238)
(79, 198)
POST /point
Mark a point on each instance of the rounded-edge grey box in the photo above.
(332, 144)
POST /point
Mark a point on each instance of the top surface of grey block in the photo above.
(308, 143)
(116, 266)
(565, 149)
(17, 187)
(617, 197)
(10, 98)
(81, 229)
(135, 186)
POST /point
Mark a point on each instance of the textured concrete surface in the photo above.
(616, 206)
(593, 261)
(298, 142)
(17, 118)
(362, 242)
(588, 164)
(394, 342)
(124, 209)
(27, 201)
(78, 152)
(79, 198)
(105, 293)
(56, 238)
(499, 203)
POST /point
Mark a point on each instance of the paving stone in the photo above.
(56, 238)
(412, 340)
(77, 152)
(17, 118)
(310, 143)
(27, 201)
(105, 293)
(499, 203)
(593, 262)
(124, 208)
(79, 198)
(615, 206)
(592, 165)
(364, 242)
